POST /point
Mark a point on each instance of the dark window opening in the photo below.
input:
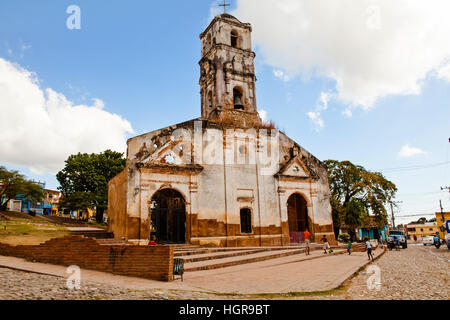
(237, 98)
(208, 41)
(234, 39)
(209, 99)
(246, 220)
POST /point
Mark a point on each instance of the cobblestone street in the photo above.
(415, 273)
(19, 285)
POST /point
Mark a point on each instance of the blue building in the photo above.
(29, 206)
(373, 231)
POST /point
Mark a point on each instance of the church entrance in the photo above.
(297, 217)
(168, 217)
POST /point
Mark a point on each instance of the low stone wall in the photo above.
(155, 262)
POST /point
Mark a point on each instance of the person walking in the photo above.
(369, 249)
(349, 247)
(326, 246)
(307, 241)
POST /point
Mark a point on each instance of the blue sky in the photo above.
(140, 59)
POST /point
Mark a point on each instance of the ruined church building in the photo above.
(226, 178)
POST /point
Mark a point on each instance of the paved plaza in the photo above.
(415, 273)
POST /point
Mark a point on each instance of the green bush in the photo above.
(343, 237)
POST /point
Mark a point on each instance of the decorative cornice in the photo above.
(158, 167)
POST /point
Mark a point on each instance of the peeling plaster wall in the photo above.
(215, 196)
(117, 205)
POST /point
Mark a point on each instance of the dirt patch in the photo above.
(23, 229)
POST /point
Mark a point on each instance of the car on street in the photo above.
(397, 235)
(429, 240)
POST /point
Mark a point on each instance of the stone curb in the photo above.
(354, 274)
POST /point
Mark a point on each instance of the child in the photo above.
(369, 249)
(349, 247)
(326, 246)
(307, 241)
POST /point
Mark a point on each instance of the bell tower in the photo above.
(227, 80)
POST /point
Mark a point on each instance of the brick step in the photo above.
(68, 222)
(190, 252)
(219, 255)
(201, 250)
(113, 242)
(249, 258)
(94, 234)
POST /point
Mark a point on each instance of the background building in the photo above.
(51, 201)
(421, 230)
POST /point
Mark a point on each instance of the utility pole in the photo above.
(392, 211)
(442, 215)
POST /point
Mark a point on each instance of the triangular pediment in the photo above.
(295, 168)
(168, 153)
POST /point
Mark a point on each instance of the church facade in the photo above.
(225, 178)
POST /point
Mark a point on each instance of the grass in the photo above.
(22, 229)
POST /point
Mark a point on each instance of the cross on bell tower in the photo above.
(224, 5)
(228, 78)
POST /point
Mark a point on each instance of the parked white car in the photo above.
(428, 240)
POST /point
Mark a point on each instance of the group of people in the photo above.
(326, 246)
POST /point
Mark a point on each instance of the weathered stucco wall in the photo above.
(117, 205)
(215, 194)
(225, 161)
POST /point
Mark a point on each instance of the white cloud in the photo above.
(316, 119)
(444, 72)
(347, 113)
(263, 115)
(370, 48)
(321, 105)
(408, 152)
(281, 75)
(40, 128)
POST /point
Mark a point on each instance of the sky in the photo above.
(361, 80)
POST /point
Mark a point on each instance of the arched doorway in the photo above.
(297, 217)
(168, 216)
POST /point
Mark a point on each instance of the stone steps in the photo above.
(219, 255)
(97, 234)
(219, 260)
(113, 242)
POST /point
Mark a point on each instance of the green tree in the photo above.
(12, 184)
(422, 220)
(84, 180)
(355, 193)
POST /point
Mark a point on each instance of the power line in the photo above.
(416, 215)
(419, 193)
(416, 167)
